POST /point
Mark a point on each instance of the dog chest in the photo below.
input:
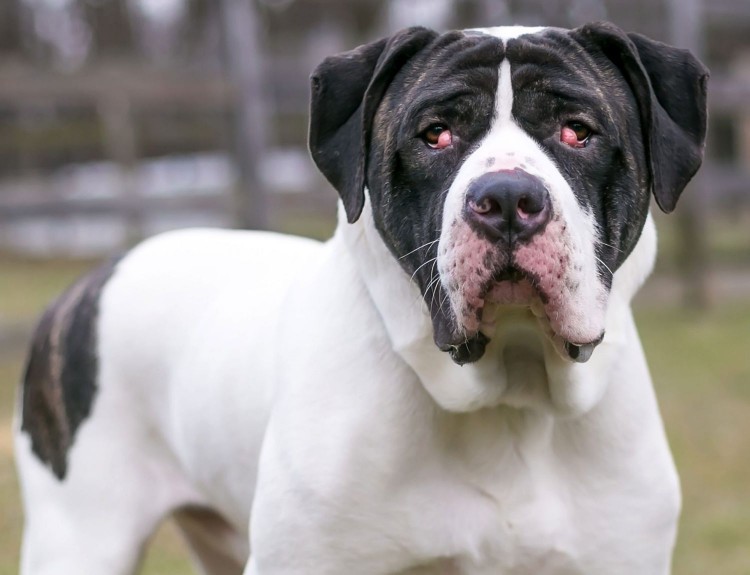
(501, 504)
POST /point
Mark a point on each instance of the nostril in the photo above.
(507, 205)
(523, 206)
(528, 206)
(485, 206)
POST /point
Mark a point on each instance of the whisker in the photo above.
(605, 265)
(434, 285)
(611, 246)
(419, 248)
(435, 278)
(420, 267)
(440, 305)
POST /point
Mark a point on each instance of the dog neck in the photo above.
(533, 377)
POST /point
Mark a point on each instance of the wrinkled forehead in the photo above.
(506, 33)
(548, 69)
(546, 58)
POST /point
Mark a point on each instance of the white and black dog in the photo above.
(453, 384)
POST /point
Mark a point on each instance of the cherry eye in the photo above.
(575, 134)
(438, 136)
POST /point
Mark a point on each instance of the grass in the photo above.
(701, 366)
(26, 286)
(700, 363)
(727, 240)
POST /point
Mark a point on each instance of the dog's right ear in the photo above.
(346, 91)
(669, 85)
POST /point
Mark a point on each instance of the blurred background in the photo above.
(123, 118)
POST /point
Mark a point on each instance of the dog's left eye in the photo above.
(437, 136)
(575, 134)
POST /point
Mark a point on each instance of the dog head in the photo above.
(510, 167)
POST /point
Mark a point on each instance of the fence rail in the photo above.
(317, 203)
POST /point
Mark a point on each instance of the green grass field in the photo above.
(700, 363)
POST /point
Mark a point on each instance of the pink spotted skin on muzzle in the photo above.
(473, 264)
(557, 277)
(543, 272)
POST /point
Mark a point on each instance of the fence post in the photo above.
(120, 142)
(245, 58)
(686, 31)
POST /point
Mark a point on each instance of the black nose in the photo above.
(509, 204)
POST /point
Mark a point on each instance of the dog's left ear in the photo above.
(670, 87)
(346, 91)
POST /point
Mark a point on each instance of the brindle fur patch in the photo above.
(59, 384)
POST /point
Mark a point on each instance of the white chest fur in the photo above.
(365, 459)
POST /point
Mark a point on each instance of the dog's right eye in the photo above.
(437, 136)
(575, 134)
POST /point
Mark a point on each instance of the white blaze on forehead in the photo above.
(504, 98)
(507, 146)
(506, 33)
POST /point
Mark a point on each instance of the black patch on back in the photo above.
(59, 384)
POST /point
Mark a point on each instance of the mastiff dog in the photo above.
(452, 384)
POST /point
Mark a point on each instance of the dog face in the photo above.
(510, 166)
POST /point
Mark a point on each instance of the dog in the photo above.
(453, 384)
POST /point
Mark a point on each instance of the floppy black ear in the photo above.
(670, 87)
(346, 91)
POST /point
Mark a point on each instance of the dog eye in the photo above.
(437, 136)
(575, 134)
